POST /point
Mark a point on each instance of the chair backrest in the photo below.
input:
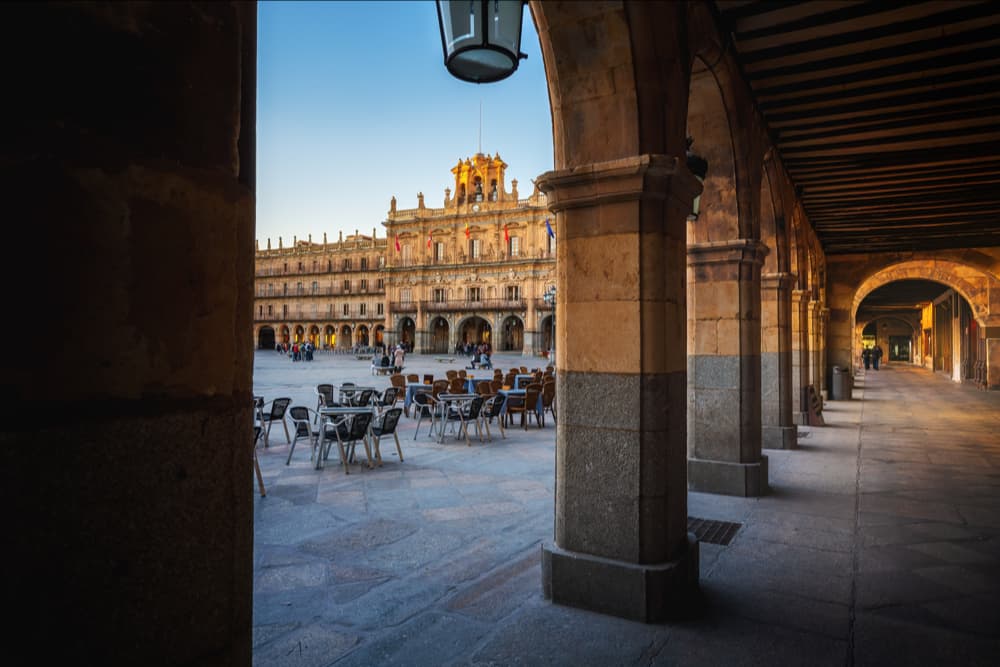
(451, 374)
(423, 399)
(389, 421)
(548, 393)
(531, 397)
(439, 386)
(495, 386)
(278, 407)
(475, 405)
(534, 385)
(428, 378)
(300, 418)
(509, 380)
(524, 370)
(413, 378)
(359, 425)
(397, 380)
(497, 373)
(364, 397)
(456, 386)
(495, 406)
(389, 396)
(462, 374)
(325, 391)
(483, 388)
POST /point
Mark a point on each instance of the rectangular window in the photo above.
(364, 263)
(550, 244)
(406, 295)
(381, 261)
(346, 309)
(362, 308)
(284, 289)
(439, 295)
(515, 246)
(380, 308)
(260, 311)
(270, 310)
(347, 286)
(407, 255)
(346, 265)
(475, 248)
(438, 251)
(475, 294)
(284, 310)
(364, 285)
(315, 287)
(513, 293)
(380, 284)
(270, 289)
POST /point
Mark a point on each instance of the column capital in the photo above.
(738, 251)
(779, 281)
(641, 177)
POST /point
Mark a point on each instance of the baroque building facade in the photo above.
(473, 271)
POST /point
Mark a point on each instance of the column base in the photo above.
(800, 418)
(778, 437)
(649, 593)
(730, 479)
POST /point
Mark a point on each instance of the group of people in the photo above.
(871, 356)
(296, 351)
(481, 356)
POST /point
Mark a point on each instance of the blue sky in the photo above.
(354, 105)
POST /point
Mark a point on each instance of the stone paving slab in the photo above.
(880, 544)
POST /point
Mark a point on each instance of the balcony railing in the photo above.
(326, 316)
(541, 305)
(320, 291)
(461, 259)
(403, 306)
(482, 305)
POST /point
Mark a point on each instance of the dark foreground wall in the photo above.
(127, 172)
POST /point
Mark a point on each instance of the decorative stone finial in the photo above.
(513, 189)
(420, 200)
(268, 242)
(392, 204)
(310, 239)
(341, 236)
(324, 238)
(256, 245)
(279, 242)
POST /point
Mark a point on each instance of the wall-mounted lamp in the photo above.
(481, 38)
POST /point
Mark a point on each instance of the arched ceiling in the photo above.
(886, 115)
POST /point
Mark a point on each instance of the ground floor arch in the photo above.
(439, 330)
(266, 338)
(548, 333)
(361, 336)
(345, 340)
(286, 336)
(314, 335)
(300, 334)
(407, 332)
(329, 336)
(378, 335)
(475, 330)
(512, 330)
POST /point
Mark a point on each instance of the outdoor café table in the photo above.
(518, 392)
(470, 384)
(411, 391)
(445, 401)
(333, 414)
(258, 408)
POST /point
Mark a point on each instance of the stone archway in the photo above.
(475, 330)
(286, 336)
(361, 336)
(314, 335)
(329, 337)
(378, 335)
(266, 338)
(300, 334)
(512, 334)
(346, 340)
(407, 332)
(439, 330)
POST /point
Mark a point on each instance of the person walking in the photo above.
(399, 356)
(876, 356)
(866, 356)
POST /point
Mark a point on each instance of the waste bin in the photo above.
(843, 383)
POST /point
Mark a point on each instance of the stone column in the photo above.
(814, 347)
(530, 320)
(821, 345)
(621, 542)
(800, 355)
(777, 428)
(956, 339)
(724, 370)
(992, 356)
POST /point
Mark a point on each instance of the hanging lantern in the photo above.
(481, 38)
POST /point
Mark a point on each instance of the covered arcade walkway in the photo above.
(879, 544)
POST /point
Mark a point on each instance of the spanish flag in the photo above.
(397, 243)
(466, 230)
(429, 239)
(506, 234)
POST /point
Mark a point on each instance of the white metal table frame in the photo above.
(344, 413)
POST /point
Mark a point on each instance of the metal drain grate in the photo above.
(714, 532)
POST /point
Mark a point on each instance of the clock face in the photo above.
(475, 207)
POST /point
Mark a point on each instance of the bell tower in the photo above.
(479, 180)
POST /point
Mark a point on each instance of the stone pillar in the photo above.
(956, 338)
(777, 428)
(815, 379)
(822, 346)
(724, 369)
(127, 457)
(530, 320)
(993, 357)
(621, 542)
(800, 355)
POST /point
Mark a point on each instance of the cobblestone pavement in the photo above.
(879, 543)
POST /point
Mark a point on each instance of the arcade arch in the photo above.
(439, 335)
(346, 340)
(513, 334)
(407, 332)
(475, 330)
(266, 338)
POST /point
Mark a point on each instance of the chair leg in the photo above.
(399, 450)
(288, 438)
(368, 451)
(377, 446)
(290, 451)
(256, 467)
(267, 434)
(343, 455)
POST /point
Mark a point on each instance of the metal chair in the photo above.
(387, 399)
(277, 413)
(549, 400)
(256, 464)
(346, 393)
(413, 378)
(424, 407)
(363, 398)
(348, 432)
(324, 397)
(386, 425)
(493, 409)
(303, 429)
(456, 385)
